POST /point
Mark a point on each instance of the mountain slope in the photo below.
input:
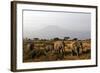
(53, 31)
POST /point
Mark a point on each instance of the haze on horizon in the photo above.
(48, 25)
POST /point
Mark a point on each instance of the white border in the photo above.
(21, 65)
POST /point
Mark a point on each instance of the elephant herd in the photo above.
(58, 48)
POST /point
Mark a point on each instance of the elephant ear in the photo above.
(74, 44)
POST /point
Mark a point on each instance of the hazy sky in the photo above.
(36, 21)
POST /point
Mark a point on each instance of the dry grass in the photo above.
(51, 56)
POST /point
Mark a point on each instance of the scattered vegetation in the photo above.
(36, 50)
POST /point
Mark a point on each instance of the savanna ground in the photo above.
(40, 51)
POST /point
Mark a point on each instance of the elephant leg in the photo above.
(63, 52)
(73, 53)
(78, 51)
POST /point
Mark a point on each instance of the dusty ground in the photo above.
(54, 58)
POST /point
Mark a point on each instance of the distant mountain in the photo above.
(53, 31)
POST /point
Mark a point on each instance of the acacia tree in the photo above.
(36, 38)
(56, 38)
(75, 38)
(66, 38)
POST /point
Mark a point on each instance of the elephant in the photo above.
(59, 49)
(77, 48)
(49, 48)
